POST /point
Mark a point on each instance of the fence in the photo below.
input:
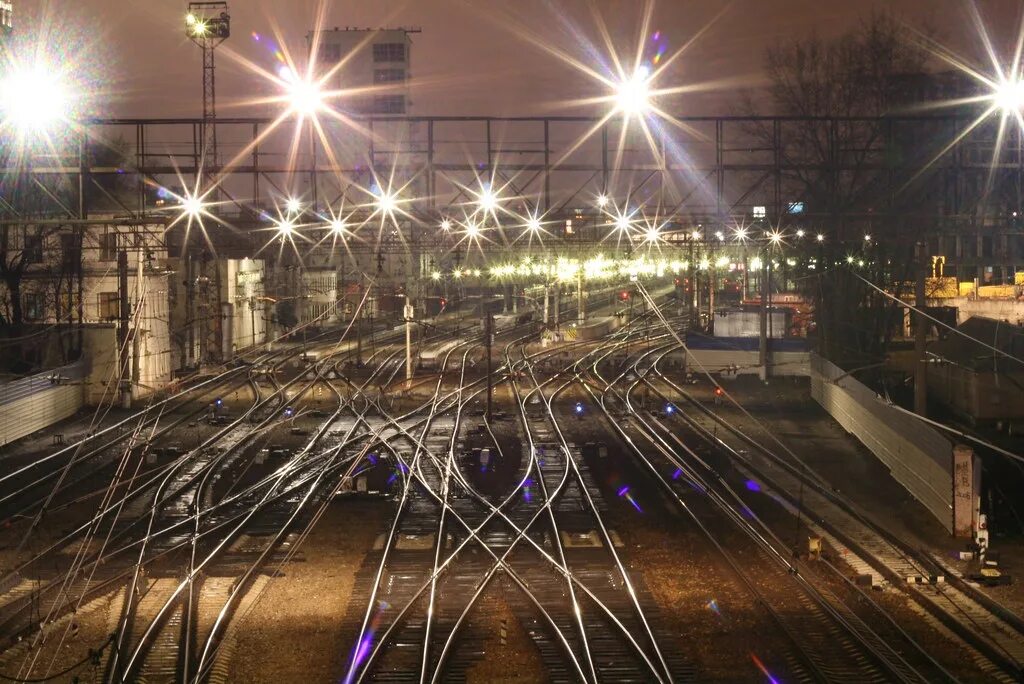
(918, 457)
(36, 402)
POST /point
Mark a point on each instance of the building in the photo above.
(987, 242)
(376, 59)
(6, 18)
(70, 283)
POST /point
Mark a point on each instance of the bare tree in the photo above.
(845, 159)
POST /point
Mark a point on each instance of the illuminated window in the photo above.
(389, 52)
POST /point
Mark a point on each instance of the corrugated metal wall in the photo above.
(38, 401)
(918, 456)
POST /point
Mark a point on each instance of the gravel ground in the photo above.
(302, 614)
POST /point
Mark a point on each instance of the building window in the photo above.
(389, 104)
(108, 246)
(33, 248)
(33, 306)
(986, 246)
(109, 306)
(330, 53)
(388, 75)
(389, 52)
(71, 250)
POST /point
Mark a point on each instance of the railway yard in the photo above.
(300, 516)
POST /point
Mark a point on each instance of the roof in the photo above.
(1006, 337)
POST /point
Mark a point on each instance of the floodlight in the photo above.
(33, 99)
(487, 200)
(191, 206)
(472, 230)
(652, 235)
(337, 226)
(386, 202)
(632, 95)
(533, 224)
(602, 201)
(867, 238)
(446, 225)
(304, 97)
(800, 233)
(821, 237)
(741, 234)
(1009, 95)
(285, 227)
(292, 205)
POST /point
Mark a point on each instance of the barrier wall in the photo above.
(36, 402)
(917, 456)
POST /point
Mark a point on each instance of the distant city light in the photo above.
(775, 237)
(800, 233)
(292, 205)
(602, 201)
(435, 275)
(741, 234)
(821, 237)
(533, 224)
(652, 235)
(472, 230)
(623, 222)
(338, 226)
(695, 235)
(446, 225)
(867, 238)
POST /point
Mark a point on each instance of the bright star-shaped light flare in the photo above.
(633, 94)
(33, 99)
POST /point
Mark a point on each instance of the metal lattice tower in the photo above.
(208, 24)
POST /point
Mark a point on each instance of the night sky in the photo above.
(471, 57)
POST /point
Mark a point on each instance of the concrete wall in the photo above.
(741, 362)
(33, 403)
(919, 457)
(1011, 310)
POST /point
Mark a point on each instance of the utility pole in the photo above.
(581, 305)
(763, 344)
(409, 311)
(920, 335)
(488, 341)
(136, 338)
(123, 356)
